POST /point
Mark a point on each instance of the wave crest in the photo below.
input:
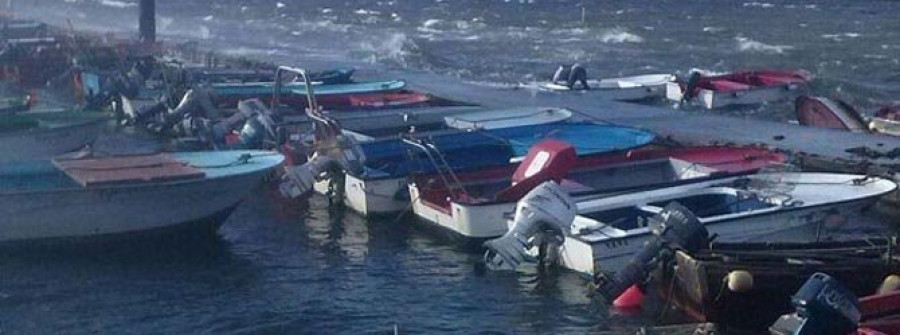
(745, 44)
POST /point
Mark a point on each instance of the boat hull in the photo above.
(371, 197)
(710, 99)
(82, 213)
(804, 224)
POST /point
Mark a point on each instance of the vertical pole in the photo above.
(147, 21)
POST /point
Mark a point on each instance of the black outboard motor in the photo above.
(824, 306)
(691, 86)
(676, 227)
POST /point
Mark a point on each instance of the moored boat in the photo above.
(331, 96)
(100, 197)
(476, 207)
(739, 88)
(787, 207)
(632, 88)
(718, 283)
(381, 187)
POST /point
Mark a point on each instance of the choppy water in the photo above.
(295, 268)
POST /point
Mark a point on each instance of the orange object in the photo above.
(632, 298)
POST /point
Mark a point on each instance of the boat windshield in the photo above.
(715, 204)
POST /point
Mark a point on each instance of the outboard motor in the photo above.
(344, 154)
(676, 227)
(824, 306)
(547, 206)
(259, 125)
(691, 86)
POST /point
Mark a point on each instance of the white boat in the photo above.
(104, 197)
(379, 191)
(38, 135)
(479, 210)
(505, 118)
(739, 88)
(633, 88)
(795, 207)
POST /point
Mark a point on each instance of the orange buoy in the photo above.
(632, 298)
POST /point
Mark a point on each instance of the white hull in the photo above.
(621, 89)
(477, 222)
(46, 143)
(710, 99)
(802, 225)
(80, 213)
(372, 197)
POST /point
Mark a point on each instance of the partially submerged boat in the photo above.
(828, 113)
(104, 197)
(632, 88)
(788, 207)
(836, 114)
(476, 208)
(36, 135)
(739, 88)
(381, 186)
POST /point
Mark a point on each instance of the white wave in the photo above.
(209, 18)
(116, 3)
(441, 26)
(713, 29)
(758, 4)
(746, 44)
(396, 48)
(840, 37)
(363, 11)
(620, 35)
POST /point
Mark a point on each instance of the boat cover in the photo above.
(127, 170)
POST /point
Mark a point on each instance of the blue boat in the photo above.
(381, 186)
(112, 196)
(267, 88)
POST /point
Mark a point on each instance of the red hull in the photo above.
(744, 80)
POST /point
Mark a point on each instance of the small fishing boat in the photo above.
(836, 114)
(100, 197)
(633, 88)
(335, 96)
(739, 88)
(381, 186)
(827, 113)
(37, 135)
(229, 75)
(718, 283)
(784, 206)
(476, 208)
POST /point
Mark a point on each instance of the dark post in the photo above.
(148, 21)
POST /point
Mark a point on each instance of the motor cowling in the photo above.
(823, 306)
(675, 227)
(547, 206)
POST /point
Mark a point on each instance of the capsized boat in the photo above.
(380, 185)
(739, 88)
(476, 207)
(827, 113)
(783, 206)
(99, 197)
(36, 135)
(718, 283)
(633, 88)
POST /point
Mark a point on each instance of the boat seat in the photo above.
(547, 160)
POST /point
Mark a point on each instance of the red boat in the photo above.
(827, 113)
(739, 88)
